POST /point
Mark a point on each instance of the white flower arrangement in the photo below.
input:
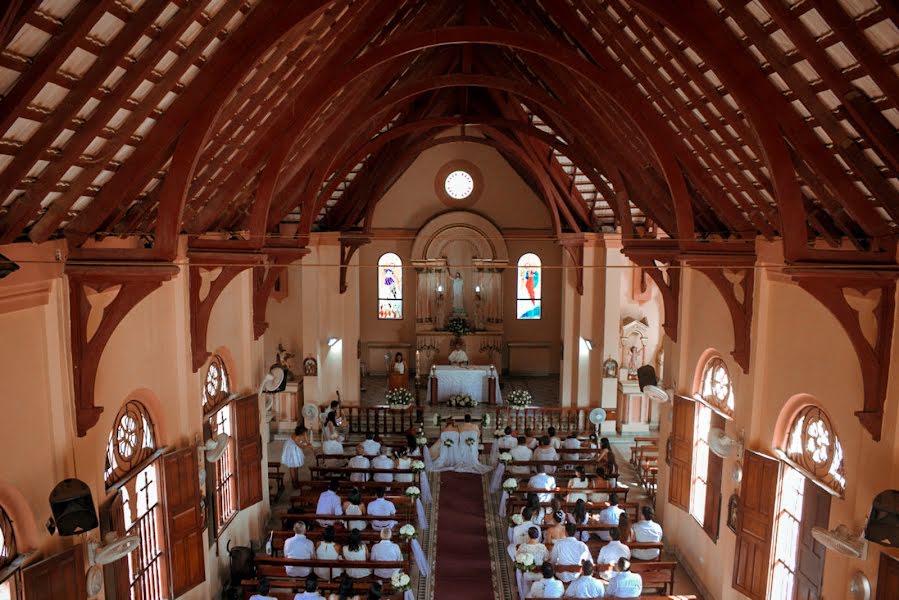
(505, 458)
(448, 443)
(510, 484)
(461, 401)
(417, 466)
(524, 562)
(407, 532)
(498, 433)
(421, 441)
(413, 492)
(519, 398)
(399, 397)
(471, 441)
(401, 582)
(516, 520)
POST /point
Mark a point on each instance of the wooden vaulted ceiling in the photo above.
(705, 121)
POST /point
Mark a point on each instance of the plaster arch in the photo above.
(23, 521)
(486, 240)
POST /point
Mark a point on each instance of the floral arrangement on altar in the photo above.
(519, 398)
(524, 562)
(407, 532)
(515, 520)
(417, 466)
(510, 484)
(458, 326)
(402, 582)
(505, 458)
(413, 492)
(461, 401)
(398, 397)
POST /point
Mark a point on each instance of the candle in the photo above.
(417, 361)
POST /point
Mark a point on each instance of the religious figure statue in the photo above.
(458, 299)
(632, 365)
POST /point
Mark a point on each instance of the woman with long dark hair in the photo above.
(355, 550)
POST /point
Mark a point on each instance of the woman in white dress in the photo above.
(403, 462)
(328, 549)
(580, 481)
(535, 549)
(332, 441)
(448, 446)
(355, 550)
(353, 507)
(292, 454)
(468, 448)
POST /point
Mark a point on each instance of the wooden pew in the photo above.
(274, 568)
(642, 597)
(288, 519)
(362, 590)
(327, 473)
(638, 441)
(515, 505)
(621, 491)
(657, 575)
(597, 545)
(275, 475)
(370, 536)
(306, 500)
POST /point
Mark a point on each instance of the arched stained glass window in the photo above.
(7, 540)
(530, 285)
(131, 441)
(814, 447)
(716, 386)
(390, 286)
(217, 386)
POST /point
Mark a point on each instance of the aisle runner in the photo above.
(463, 557)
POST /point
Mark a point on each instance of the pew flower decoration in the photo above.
(407, 532)
(413, 492)
(516, 520)
(471, 441)
(519, 398)
(448, 443)
(417, 466)
(498, 433)
(505, 458)
(510, 484)
(461, 401)
(398, 397)
(421, 440)
(524, 562)
(400, 581)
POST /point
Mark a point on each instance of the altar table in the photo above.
(472, 380)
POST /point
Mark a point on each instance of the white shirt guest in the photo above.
(359, 462)
(382, 461)
(369, 446)
(386, 550)
(614, 550)
(570, 551)
(507, 441)
(647, 530)
(609, 516)
(329, 503)
(543, 481)
(381, 507)
(299, 547)
(548, 587)
(523, 453)
(520, 532)
(625, 584)
(586, 586)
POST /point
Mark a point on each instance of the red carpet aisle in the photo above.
(463, 557)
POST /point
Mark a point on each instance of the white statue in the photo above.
(458, 300)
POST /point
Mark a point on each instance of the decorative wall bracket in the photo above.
(90, 336)
(210, 274)
(264, 279)
(864, 304)
(349, 243)
(574, 245)
(660, 260)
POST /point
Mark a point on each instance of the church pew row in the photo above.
(632, 508)
(642, 597)
(523, 490)
(596, 545)
(369, 536)
(657, 575)
(288, 519)
(276, 476)
(326, 473)
(639, 442)
(318, 486)
(360, 589)
(305, 500)
(273, 569)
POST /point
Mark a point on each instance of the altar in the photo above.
(474, 380)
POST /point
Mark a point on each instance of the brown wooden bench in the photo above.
(306, 500)
(621, 491)
(273, 567)
(370, 536)
(633, 508)
(656, 575)
(277, 477)
(288, 519)
(596, 545)
(640, 441)
(642, 597)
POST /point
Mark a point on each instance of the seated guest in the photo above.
(521, 452)
(508, 441)
(533, 502)
(599, 482)
(412, 448)
(328, 549)
(355, 550)
(556, 531)
(586, 586)
(381, 507)
(594, 445)
(570, 551)
(647, 530)
(299, 547)
(359, 461)
(624, 584)
(262, 590)
(611, 552)
(609, 516)
(571, 443)
(549, 586)
(311, 587)
(353, 507)
(545, 451)
(369, 446)
(533, 547)
(605, 449)
(554, 440)
(382, 461)
(329, 503)
(579, 481)
(530, 441)
(403, 461)
(520, 532)
(386, 550)
(624, 526)
(555, 505)
(345, 591)
(611, 470)
(543, 481)
(579, 516)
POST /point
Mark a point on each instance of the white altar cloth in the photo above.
(471, 380)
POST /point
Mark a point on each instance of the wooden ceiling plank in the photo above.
(13, 17)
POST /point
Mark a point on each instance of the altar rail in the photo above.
(379, 419)
(565, 420)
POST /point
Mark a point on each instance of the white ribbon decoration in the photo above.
(425, 487)
(426, 457)
(420, 561)
(509, 531)
(408, 595)
(519, 579)
(494, 452)
(497, 479)
(422, 522)
(502, 503)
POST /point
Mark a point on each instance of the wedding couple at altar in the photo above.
(457, 448)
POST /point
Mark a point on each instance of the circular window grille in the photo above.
(216, 387)
(717, 388)
(7, 540)
(813, 446)
(131, 442)
(459, 185)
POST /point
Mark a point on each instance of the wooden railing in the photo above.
(565, 420)
(379, 419)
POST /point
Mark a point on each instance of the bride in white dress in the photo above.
(448, 447)
(468, 448)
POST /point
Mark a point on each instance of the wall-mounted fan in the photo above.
(113, 548)
(654, 392)
(216, 447)
(597, 417)
(275, 381)
(842, 540)
(723, 445)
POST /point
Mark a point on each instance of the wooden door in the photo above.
(115, 574)
(60, 577)
(681, 455)
(810, 555)
(887, 578)
(755, 524)
(249, 451)
(184, 521)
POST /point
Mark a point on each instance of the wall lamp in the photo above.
(332, 341)
(589, 344)
(477, 292)
(440, 291)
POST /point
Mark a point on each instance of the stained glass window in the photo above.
(217, 386)
(390, 287)
(530, 284)
(459, 185)
(814, 447)
(131, 441)
(717, 388)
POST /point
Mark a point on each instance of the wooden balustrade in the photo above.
(380, 419)
(566, 420)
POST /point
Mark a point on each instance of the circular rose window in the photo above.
(459, 185)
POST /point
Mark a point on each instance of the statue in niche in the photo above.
(633, 363)
(458, 299)
(610, 367)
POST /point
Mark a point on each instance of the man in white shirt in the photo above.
(311, 592)
(299, 547)
(543, 481)
(523, 453)
(545, 451)
(368, 446)
(386, 550)
(570, 443)
(329, 503)
(520, 532)
(625, 584)
(609, 516)
(586, 586)
(507, 441)
(569, 551)
(262, 590)
(549, 586)
(647, 530)
(611, 552)
(381, 507)
(359, 462)
(382, 461)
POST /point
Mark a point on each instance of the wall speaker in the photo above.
(73, 507)
(646, 375)
(883, 522)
